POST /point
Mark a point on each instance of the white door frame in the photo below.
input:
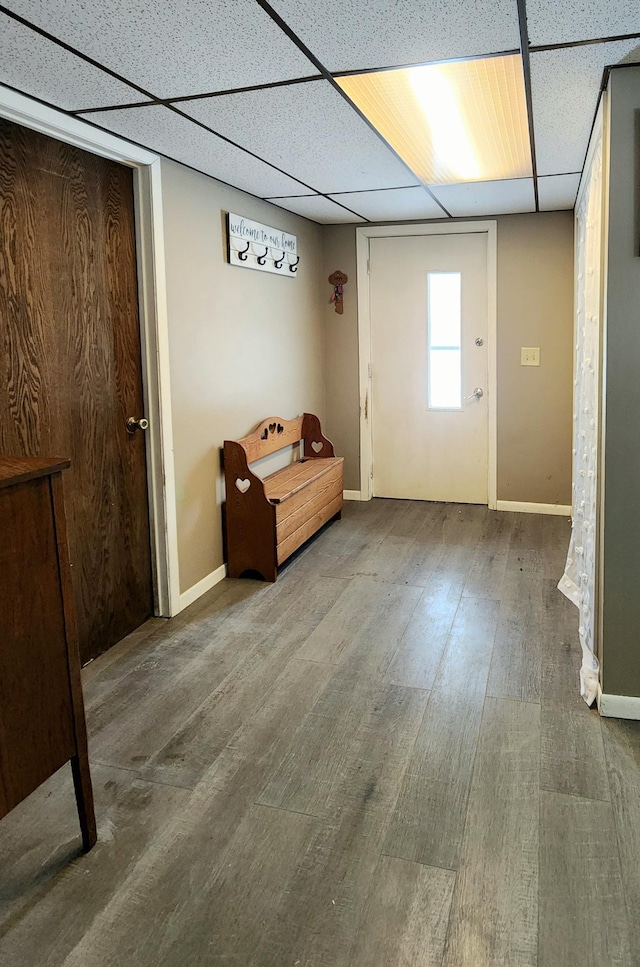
(154, 329)
(363, 235)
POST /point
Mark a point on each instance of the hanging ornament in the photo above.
(337, 280)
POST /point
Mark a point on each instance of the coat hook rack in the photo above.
(338, 280)
(262, 248)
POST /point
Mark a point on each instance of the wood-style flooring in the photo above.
(380, 761)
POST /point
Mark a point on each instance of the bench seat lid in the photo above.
(288, 481)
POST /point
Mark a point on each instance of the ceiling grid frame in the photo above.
(614, 17)
(526, 67)
(329, 77)
(153, 100)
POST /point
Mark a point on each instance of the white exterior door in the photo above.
(429, 367)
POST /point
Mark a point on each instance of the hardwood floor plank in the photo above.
(327, 894)
(198, 671)
(426, 550)
(516, 666)
(180, 638)
(125, 728)
(422, 645)
(406, 918)
(390, 560)
(556, 532)
(50, 892)
(445, 544)
(468, 651)
(562, 655)
(350, 751)
(219, 915)
(494, 915)
(354, 559)
(200, 737)
(368, 610)
(583, 920)
(189, 852)
(428, 821)
(622, 751)
(489, 561)
(572, 754)
(527, 532)
(429, 816)
(114, 658)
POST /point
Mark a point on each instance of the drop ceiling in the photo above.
(249, 91)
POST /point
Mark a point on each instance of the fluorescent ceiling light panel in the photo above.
(451, 123)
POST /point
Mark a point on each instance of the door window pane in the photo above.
(444, 309)
(444, 326)
(445, 380)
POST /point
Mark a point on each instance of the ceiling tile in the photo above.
(551, 22)
(317, 208)
(162, 130)
(171, 49)
(309, 130)
(61, 78)
(565, 85)
(354, 36)
(557, 192)
(487, 197)
(395, 203)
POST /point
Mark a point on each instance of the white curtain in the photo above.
(579, 580)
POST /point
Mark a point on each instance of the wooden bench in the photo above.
(268, 519)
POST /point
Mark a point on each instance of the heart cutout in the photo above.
(264, 434)
(280, 428)
(272, 428)
(243, 485)
(317, 447)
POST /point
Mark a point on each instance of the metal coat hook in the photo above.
(278, 264)
(243, 254)
(293, 266)
(261, 259)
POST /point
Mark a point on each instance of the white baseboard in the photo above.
(208, 582)
(558, 510)
(620, 706)
(351, 495)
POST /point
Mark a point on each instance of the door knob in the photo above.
(477, 394)
(133, 424)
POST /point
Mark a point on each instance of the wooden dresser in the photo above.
(42, 724)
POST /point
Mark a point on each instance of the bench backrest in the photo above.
(274, 434)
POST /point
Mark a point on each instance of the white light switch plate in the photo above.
(529, 356)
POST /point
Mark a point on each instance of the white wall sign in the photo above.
(255, 246)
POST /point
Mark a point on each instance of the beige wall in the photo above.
(341, 353)
(244, 345)
(535, 308)
(535, 404)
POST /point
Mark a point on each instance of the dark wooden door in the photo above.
(70, 363)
